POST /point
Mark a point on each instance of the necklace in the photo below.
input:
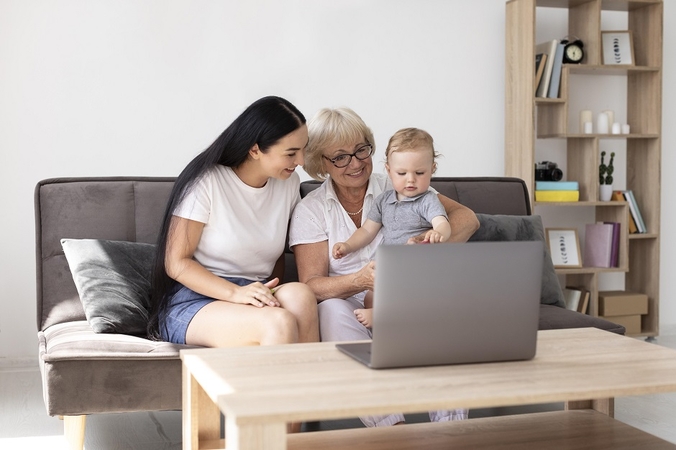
(354, 213)
(341, 204)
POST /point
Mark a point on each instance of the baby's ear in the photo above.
(434, 167)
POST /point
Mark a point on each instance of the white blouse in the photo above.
(320, 217)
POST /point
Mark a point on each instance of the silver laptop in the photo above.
(453, 304)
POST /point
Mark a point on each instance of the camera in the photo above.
(547, 171)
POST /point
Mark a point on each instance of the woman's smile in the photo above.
(356, 174)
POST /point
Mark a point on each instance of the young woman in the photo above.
(220, 248)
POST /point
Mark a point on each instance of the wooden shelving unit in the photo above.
(528, 119)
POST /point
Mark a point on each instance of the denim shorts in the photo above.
(182, 307)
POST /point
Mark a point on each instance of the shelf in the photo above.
(605, 70)
(610, 203)
(643, 236)
(529, 120)
(590, 270)
(544, 100)
(599, 136)
(606, 5)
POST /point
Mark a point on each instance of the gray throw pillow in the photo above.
(523, 228)
(113, 280)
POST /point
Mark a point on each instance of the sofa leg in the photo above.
(74, 429)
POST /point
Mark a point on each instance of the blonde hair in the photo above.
(332, 128)
(411, 139)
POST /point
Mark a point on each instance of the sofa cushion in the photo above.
(522, 228)
(553, 318)
(86, 372)
(113, 281)
(77, 341)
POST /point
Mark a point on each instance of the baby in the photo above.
(407, 210)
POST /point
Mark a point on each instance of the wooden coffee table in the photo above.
(260, 389)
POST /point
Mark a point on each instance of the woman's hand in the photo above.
(365, 277)
(257, 294)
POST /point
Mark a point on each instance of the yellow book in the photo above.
(557, 196)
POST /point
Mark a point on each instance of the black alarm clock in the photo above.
(572, 51)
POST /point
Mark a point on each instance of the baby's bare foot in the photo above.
(364, 316)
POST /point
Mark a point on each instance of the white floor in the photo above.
(24, 424)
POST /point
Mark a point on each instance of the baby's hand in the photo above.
(340, 249)
(434, 237)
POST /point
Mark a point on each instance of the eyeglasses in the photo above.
(362, 153)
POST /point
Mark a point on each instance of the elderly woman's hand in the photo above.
(366, 276)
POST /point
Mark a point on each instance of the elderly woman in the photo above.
(339, 152)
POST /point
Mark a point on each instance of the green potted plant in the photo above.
(606, 177)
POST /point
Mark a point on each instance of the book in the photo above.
(640, 224)
(571, 297)
(618, 196)
(557, 186)
(634, 211)
(583, 306)
(540, 60)
(557, 196)
(548, 48)
(555, 80)
(615, 249)
(598, 244)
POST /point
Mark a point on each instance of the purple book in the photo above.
(598, 244)
(615, 249)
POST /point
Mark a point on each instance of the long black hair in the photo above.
(264, 122)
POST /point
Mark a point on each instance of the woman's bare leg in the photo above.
(224, 324)
(300, 301)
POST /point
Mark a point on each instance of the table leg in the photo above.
(603, 405)
(201, 416)
(269, 436)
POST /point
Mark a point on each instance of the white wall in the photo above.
(110, 87)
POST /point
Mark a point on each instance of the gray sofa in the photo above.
(85, 372)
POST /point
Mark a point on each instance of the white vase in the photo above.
(605, 192)
(602, 124)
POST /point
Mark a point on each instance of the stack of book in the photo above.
(636, 223)
(557, 191)
(549, 55)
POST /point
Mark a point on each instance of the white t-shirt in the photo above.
(320, 217)
(245, 227)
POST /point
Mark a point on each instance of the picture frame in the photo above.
(564, 247)
(618, 47)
